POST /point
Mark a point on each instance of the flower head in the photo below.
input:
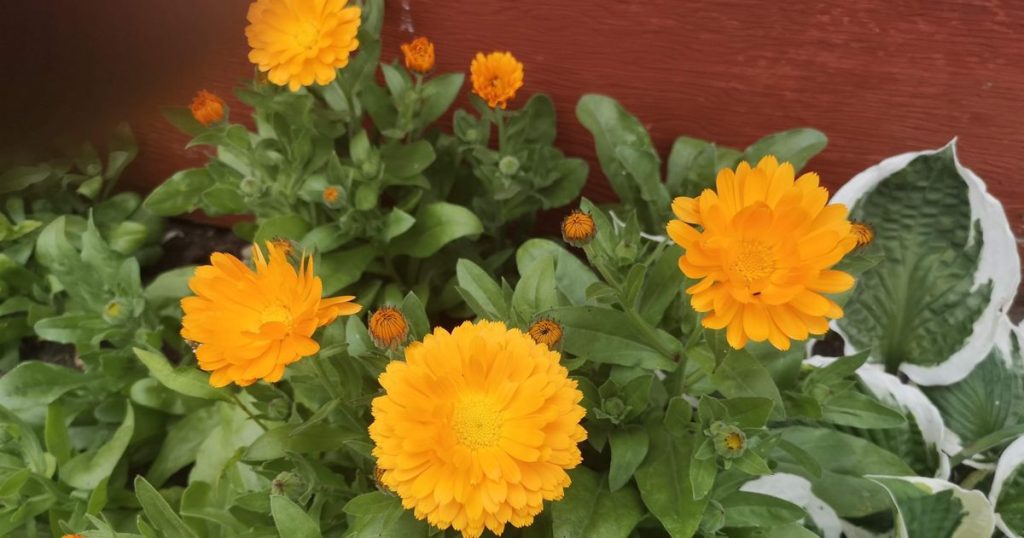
(763, 253)
(578, 228)
(73, 536)
(332, 195)
(250, 324)
(388, 327)
(299, 42)
(496, 77)
(477, 428)
(730, 441)
(419, 55)
(863, 233)
(546, 331)
(207, 108)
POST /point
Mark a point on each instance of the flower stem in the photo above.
(238, 401)
(499, 118)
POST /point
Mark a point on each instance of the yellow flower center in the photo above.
(477, 422)
(307, 36)
(276, 313)
(754, 260)
(734, 441)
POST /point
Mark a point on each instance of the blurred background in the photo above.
(878, 77)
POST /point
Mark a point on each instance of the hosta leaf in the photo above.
(991, 397)
(931, 306)
(1007, 493)
(797, 490)
(932, 508)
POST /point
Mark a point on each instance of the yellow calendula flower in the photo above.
(207, 108)
(299, 42)
(863, 233)
(419, 55)
(248, 325)
(496, 77)
(763, 247)
(477, 428)
(388, 327)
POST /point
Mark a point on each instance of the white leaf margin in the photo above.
(997, 262)
(797, 490)
(979, 521)
(1011, 459)
(908, 398)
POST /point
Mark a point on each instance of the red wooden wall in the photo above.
(879, 77)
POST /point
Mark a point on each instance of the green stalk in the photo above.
(241, 405)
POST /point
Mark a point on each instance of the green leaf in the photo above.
(224, 200)
(275, 443)
(920, 303)
(180, 193)
(748, 412)
(88, 469)
(291, 227)
(35, 384)
(742, 375)
(437, 224)
(419, 324)
(437, 95)
(20, 177)
(746, 509)
(407, 160)
(55, 432)
(590, 510)
(396, 223)
(702, 474)
(796, 146)
(187, 381)
(480, 291)
(536, 291)
(936, 508)
(851, 408)
(691, 167)
(606, 335)
(844, 461)
(182, 443)
(170, 286)
(572, 276)
(664, 486)
(627, 157)
(291, 520)
(159, 513)
(989, 399)
(629, 448)
(376, 515)
(182, 118)
(342, 268)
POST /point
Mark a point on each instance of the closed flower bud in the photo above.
(388, 327)
(508, 165)
(288, 484)
(862, 232)
(116, 311)
(578, 228)
(730, 441)
(332, 196)
(207, 108)
(546, 331)
(250, 186)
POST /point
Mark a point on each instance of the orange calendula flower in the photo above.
(248, 325)
(764, 253)
(546, 331)
(419, 55)
(477, 428)
(863, 233)
(73, 536)
(388, 327)
(299, 42)
(496, 77)
(578, 228)
(207, 108)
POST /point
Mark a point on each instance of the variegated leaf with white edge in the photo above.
(1007, 493)
(797, 490)
(930, 512)
(932, 306)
